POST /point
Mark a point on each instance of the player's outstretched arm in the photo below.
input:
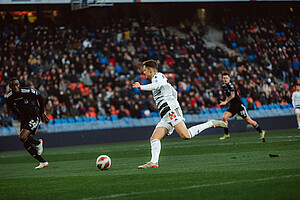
(148, 87)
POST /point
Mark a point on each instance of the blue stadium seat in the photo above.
(71, 120)
(101, 118)
(86, 119)
(234, 45)
(4, 131)
(114, 117)
(155, 114)
(242, 50)
(267, 107)
(245, 101)
(93, 119)
(57, 121)
(78, 119)
(213, 110)
(219, 110)
(272, 106)
(226, 63)
(277, 106)
(251, 58)
(206, 111)
(64, 120)
(260, 108)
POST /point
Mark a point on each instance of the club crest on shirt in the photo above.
(25, 101)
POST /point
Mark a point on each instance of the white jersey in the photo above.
(296, 99)
(165, 96)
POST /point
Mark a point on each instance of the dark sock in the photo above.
(226, 131)
(32, 150)
(257, 127)
(34, 141)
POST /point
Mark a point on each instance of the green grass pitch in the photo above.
(201, 168)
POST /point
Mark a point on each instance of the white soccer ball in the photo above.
(103, 162)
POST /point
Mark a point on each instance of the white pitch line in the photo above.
(190, 187)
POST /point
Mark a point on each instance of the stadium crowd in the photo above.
(89, 70)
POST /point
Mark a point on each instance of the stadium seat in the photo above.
(93, 119)
(78, 119)
(226, 63)
(101, 118)
(245, 101)
(257, 103)
(224, 109)
(242, 50)
(188, 118)
(252, 58)
(260, 108)
(57, 121)
(155, 114)
(234, 45)
(213, 110)
(114, 117)
(64, 120)
(71, 120)
(86, 119)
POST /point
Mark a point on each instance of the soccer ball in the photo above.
(103, 162)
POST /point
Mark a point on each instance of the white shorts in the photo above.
(297, 110)
(171, 119)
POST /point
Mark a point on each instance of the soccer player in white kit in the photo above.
(165, 97)
(296, 103)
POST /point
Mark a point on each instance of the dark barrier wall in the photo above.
(11, 143)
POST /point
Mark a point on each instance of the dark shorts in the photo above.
(239, 109)
(31, 124)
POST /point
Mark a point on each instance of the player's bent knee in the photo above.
(185, 137)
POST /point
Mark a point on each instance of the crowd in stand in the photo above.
(89, 71)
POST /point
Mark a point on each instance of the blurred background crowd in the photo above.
(87, 69)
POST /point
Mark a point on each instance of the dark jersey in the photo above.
(24, 103)
(231, 88)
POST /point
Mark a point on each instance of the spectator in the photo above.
(136, 112)
(7, 120)
(250, 105)
(122, 113)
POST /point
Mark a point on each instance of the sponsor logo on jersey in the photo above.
(172, 116)
(25, 90)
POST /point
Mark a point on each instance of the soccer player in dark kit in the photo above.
(236, 107)
(28, 105)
